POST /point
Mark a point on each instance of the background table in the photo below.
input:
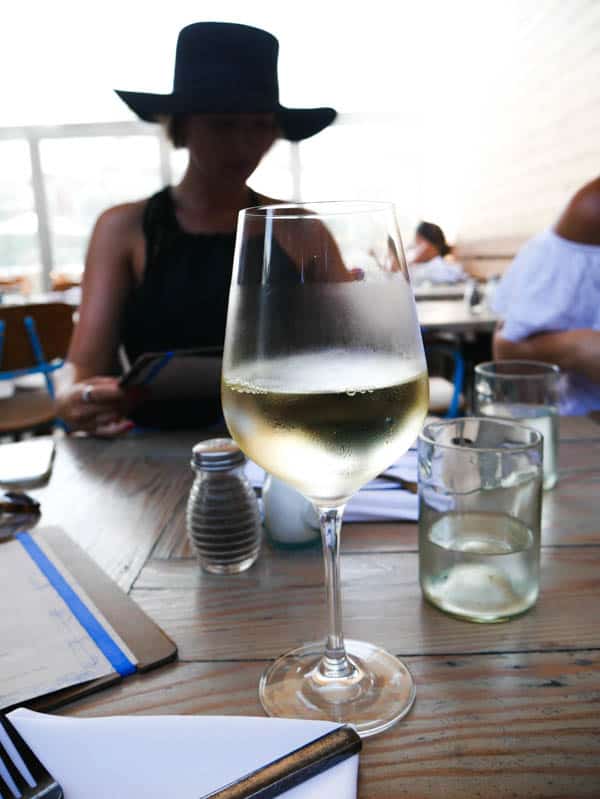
(453, 316)
(509, 710)
(445, 291)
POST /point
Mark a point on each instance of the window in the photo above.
(84, 176)
(59, 179)
(19, 249)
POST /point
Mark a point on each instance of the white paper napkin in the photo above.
(383, 505)
(405, 467)
(379, 500)
(153, 757)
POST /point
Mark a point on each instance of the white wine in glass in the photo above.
(324, 386)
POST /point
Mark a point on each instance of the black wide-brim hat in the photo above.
(222, 67)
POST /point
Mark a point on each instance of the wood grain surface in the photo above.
(116, 507)
(512, 726)
(279, 604)
(509, 710)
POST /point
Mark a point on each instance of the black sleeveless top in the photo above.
(181, 303)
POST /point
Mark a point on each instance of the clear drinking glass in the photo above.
(526, 392)
(480, 500)
(324, 386)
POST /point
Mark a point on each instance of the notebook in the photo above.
(66, 631)
(177, 374)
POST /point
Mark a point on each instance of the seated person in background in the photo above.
(428, 262)
(549, 301)
(157, 272)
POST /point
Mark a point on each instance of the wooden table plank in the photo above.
(576, 456)
(579, 427)
(98, 489)
(482, 728)
(280, 604)
(569, 511)
(114, 507)
(512, 726)
(569, 517)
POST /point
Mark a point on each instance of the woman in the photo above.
(429, 263)
(158, 270)
(549, 301)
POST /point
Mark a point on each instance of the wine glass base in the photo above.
(378, 693)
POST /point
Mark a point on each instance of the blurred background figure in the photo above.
(428, 259)
(549, 301)
(157, 271)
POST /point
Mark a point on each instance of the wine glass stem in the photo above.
(334, 664)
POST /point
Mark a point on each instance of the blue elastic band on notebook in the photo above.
(117, 658)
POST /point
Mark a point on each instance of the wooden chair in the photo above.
(15, 285)
(34, 339)
(63, 282)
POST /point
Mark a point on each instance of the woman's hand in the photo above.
(573, 350)
(97, 405)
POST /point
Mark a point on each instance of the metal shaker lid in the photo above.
(217, 454)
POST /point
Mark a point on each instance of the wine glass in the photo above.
(324, 386)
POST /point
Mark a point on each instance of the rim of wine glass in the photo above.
(428, 439)
(321, 208)
(540, 369)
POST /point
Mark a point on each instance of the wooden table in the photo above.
(510, 710)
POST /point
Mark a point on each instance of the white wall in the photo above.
(537, 137)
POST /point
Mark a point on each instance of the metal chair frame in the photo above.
(458, 376)
(42, 366)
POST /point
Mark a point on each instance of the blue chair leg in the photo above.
(36, 346)
(458, 380)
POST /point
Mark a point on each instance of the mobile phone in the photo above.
(25, 462)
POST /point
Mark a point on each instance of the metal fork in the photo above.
(45, 786)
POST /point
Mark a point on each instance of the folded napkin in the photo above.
(405, 467)
(153, 757)
(382, 505)
(380, 500)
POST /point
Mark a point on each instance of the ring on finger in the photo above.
(86, 393)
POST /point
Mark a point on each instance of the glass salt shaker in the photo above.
(223, 518)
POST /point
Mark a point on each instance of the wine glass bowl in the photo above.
(324, 386)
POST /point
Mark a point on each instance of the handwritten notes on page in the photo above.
(43, 647)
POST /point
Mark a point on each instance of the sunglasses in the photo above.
(16, 503)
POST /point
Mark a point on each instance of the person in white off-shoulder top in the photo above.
(549, 301)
